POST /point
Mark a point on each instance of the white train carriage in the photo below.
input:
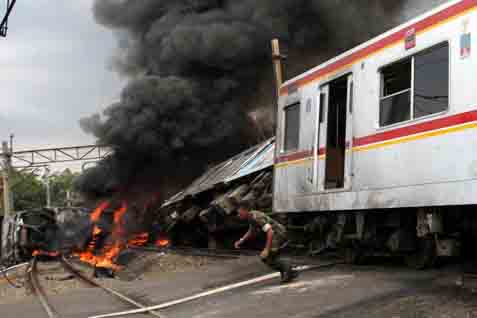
(389, 124)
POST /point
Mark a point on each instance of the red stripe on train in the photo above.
(417, 129)
(294, 156)
(431, 125)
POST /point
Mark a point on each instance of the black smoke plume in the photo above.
(200, 78)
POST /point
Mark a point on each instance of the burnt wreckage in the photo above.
(43, 229)
(200, 215)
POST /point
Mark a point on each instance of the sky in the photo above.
(53, 71)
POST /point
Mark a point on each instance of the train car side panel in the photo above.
(410, 159)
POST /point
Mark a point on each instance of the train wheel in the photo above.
(425, 255)
(316, 247)
(354, 255)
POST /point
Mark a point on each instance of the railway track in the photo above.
(218, 253)
(204, 252)
(34, 284)
(215, 291)
(88, 281)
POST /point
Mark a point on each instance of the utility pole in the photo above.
(68, 198)
(6, 171)
(46, 177)
(277, 58)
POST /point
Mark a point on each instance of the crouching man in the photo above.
(276, 237)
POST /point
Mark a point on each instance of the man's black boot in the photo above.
(289, 275)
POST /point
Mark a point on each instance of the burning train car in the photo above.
(49, 230)
(96, 236)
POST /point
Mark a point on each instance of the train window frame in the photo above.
(412, 91)
(296, 147)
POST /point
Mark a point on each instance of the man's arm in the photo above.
(268, 245)
(245, 238)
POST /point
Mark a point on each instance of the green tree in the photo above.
(60, 184)
(27, 189)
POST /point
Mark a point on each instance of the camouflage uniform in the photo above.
(261, 222)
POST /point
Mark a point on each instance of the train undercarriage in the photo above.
(423, 237)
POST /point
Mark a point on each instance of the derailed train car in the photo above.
(376, 148)
(46, 230)
(200, 215)
(27, 231)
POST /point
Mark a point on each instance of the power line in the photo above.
(4, 23)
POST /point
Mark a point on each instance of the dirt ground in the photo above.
(341, 291)
(56, 281)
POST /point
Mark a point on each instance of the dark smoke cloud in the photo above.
(194, 68)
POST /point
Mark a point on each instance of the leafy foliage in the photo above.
(60, 184)
(29, 189)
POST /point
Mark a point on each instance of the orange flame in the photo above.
(116, 244)
(163, 241)
(118, 221)
(96, 230)
(139, 240)
(98, 211)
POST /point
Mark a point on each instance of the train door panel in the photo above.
(321, 139)
(316, 141)
(310, 143)
(349, 134)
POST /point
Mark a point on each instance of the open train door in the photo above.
(349, 135)
(319, 136)
(336, 133)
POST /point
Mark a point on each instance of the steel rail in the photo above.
(205, 251)
(32, 278)
(238, 252)
(69, 267)
(9, 269)
(186, 252)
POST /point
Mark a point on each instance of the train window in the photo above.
(395, 109)
(292, 127)
(397, 78)
(395, 105)
(415, 87)
(431, 81)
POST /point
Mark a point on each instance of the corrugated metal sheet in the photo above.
(262, 160)
(250, 161)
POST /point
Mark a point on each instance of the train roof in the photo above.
(441, 13)
(252, 160)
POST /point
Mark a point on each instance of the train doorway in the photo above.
(336, 133)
